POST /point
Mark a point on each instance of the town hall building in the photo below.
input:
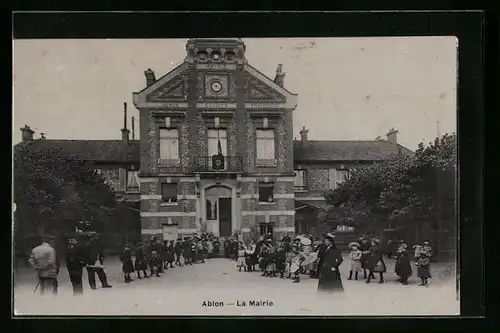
(216, 151)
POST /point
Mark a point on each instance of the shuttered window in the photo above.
(265, 144)
(169, 144)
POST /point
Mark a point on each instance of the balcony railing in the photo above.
(217, 164)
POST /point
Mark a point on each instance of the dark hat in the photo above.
(330, 236)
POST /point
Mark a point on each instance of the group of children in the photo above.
(285, 258)
(366, 256)
(158, 256)
(290, 259)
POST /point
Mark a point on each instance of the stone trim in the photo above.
(151, 231)
(248, 179)
(284, 196)
(150, 196)
(249, 196)
(187, 180)
(147, 179)
(167, 214)
(285, 229)
(245, 229)
(187, 231)
(267, 213)
(309, 198)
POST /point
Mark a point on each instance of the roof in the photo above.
(95, 150)
(310, 151)
(334, 150)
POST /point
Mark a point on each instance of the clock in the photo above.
(216, 86)
(216, 56)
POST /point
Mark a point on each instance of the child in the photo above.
(423, 263)
(296, 262)
(156, 263)
(403, 267)
(281, 260)
(140, 262)
(288, 263)
(169, 254)
(127, 263)
(188, 260)
(355, 258)
(271, 265)
(241, 258)
(178, 251)
(417, 249)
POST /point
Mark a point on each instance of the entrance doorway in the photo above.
(225, 217)
(218, 210)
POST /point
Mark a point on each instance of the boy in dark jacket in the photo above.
(178, 252)
(140, 262)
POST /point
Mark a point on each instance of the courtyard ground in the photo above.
(182, 291)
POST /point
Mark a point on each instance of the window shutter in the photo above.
(333, 178)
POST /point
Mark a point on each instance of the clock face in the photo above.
(216, 86)
(216, 56)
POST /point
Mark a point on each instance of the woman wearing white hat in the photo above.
(329, 275)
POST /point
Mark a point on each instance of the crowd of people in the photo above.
(158, 256)
(304, 255)
(287, 259)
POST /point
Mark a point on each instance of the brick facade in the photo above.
(195, 111)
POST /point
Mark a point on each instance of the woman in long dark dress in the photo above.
(403, 266)
(329, 275)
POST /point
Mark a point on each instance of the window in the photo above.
(169, 192)
(132, 180)
(214, 137)
(336, 177)
(300, 180)
(266, 191)
(266, 229)
(211, 209)
(169, 144)
(265, 145)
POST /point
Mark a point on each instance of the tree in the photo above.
(401, 190)
(53, 190)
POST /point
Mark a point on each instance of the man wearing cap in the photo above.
(329, 275)
(43, 258)
(75, 261)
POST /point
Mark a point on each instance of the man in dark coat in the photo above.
(329, 275)
(95, 262)
(75, 261)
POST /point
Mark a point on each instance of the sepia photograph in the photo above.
(230, 176)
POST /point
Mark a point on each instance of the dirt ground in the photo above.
(183, 291)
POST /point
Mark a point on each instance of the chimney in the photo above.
(125, 131)
(133, 128)
(150, 77)
(303, 134)
(279, 79)
(392, 136)
(27, 133)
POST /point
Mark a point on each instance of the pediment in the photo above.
(260, 88)
(172, 87)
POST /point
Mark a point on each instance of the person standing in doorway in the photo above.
(329, 274)
(95, 265)
(75, 261)
(44, 259)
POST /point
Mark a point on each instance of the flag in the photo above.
(219, 145)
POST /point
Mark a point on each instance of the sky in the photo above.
(348, 88)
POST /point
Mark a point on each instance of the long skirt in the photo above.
(294, 268)
(271, 267)
(330, 282)
(403, 268)
(424, 272)
(128, 266)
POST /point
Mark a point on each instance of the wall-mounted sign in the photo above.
(216, 105)
(174, 105)
(216, 66)
(265, 105)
